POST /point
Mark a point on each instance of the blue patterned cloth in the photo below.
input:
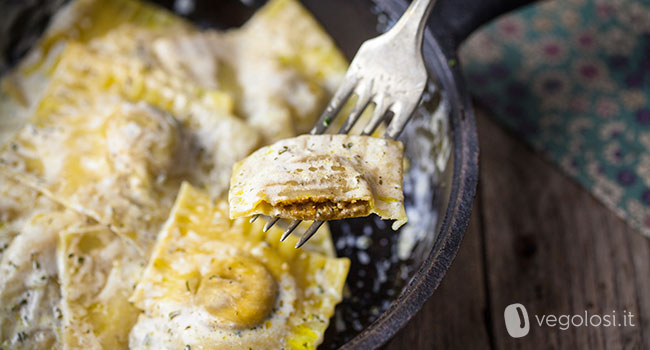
(572, 78)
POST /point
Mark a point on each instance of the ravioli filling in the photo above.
(323, 209)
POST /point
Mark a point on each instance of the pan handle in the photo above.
(452, 21)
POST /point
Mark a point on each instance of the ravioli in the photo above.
(281, 66)
(58, 268)
(216, 283)
(98, 273)
(80, 21)
(29, 286)
(29, 289)
(121, 163)
(65, 151)
(65, 281)
(217, 138)
(321, 177)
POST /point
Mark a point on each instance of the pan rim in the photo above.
(461, 196)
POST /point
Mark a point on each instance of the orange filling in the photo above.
(322, 209)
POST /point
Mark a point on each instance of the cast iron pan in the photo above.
(385, 290)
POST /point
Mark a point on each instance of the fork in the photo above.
(387, 71)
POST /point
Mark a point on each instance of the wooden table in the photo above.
(537, 238)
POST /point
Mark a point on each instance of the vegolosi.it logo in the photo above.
(518, 323)
(516, 318)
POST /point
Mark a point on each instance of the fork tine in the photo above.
(401, 117)
(253, 218)
(335, 105)
(290, 229)
(310, 232)
(362, 102)
(377, 116)
(270, 224)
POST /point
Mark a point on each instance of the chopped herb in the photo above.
(174, 314)
(452, 62)
(187, 285)
(213, 276)
(305, 345)
(284, 149)
(19, 304)
(320, 289)
(58, 313)
(327, 121)
(81, 259)
(36, 264)
(70, 255)
(22, 336)
(348, 145)
(187, 347)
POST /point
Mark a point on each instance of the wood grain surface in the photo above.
(536, 238)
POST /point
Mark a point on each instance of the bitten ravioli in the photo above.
(321, 177)
(213, 283)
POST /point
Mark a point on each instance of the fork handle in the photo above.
(452, 21)
(414, 20)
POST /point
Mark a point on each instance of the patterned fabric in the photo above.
(572, 78)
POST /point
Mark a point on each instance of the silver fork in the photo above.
(387, 71)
